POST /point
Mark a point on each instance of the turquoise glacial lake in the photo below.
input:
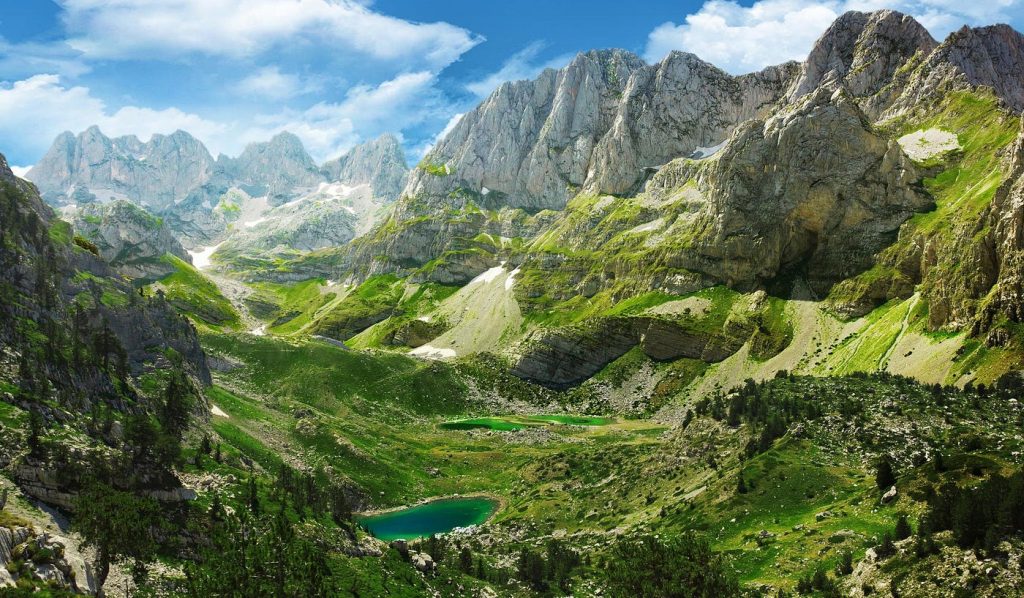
(434, 517)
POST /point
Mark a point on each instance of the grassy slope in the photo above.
(196, 296)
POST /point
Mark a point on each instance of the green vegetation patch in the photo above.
(196, 296)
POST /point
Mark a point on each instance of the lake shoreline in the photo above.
(501, 501)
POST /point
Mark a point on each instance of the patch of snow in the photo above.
(428, 352)
(489, 275)
(921, 145)
(424, 319)
(511, 280)
(253, 223)
(706, 152)
(259, 331)
(218, 411)
(484, 191)
(201, 259)
(331, 283)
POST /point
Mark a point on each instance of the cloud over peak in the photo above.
(742, 39)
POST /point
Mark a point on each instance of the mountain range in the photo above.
(661, 330)
(175, 177)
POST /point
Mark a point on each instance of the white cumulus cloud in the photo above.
(238, 28)
(269, 82)
(20, 171)
(35, 110)
(741, 38)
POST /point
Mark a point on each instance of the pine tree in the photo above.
(253, 497)
(884, 476)
(466, 560)
(117, 524)
(216, 509)
(903, 530)
(845, 566)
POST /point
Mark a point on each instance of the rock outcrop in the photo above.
(379, 163)
(43, 558)
(813, 189)
(1006, 238)
(279, 168)
(991, 57)
(563, 357)
(128, 238)
(864, 52)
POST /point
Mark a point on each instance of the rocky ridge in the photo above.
(127, 237)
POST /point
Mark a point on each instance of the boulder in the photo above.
(423, 562)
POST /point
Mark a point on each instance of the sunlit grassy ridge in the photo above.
(196, 296)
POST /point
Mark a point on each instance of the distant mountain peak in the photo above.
(379, 162)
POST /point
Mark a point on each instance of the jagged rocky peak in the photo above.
(863, 51)
(94, 167)
(128, 237)
(986, 56)
(598, 124)
(531, 141)
(379, 163)
(6, 174)
(671, 109)
(277, 167)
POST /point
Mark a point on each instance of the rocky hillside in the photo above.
(128, 238)
(59, 293)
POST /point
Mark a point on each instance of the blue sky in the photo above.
(338, 72)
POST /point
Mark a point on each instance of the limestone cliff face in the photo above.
(1006, 240)
(596, 124)
(672, 108)
(379, 163)
(812, 190)
(128, 238)
(865, 52)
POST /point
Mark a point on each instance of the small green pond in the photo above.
(516, 422)
(434, 517)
